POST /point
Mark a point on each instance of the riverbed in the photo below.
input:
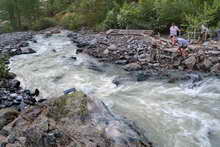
(172, 115)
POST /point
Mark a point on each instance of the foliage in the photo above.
(4, 70)
(44, 23)
(106, 14)
(204, 16)
(19, 12)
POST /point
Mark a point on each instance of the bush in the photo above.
(6, 28)
(3, 68)
(110, 21)
(44, 23)
(72, 21)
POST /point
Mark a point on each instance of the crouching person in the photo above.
(182, 46)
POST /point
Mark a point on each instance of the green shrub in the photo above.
(73, 22)
(44, 23)
(4, 70)
(6, 28)
(128, 16)
(110, 21)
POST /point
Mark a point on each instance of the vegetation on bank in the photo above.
(106, 14)
(4, 70)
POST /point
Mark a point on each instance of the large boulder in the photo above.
(74, 120)
(190, 62)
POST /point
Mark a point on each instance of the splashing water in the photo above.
(173, 115)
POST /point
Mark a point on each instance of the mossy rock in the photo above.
(74, 105)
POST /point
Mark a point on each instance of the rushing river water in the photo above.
(172, 115)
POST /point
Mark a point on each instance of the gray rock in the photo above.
(27, 51)
(112, 47)
(11, 139)
(121, 62)
(106, 52)
(190, 62)
(132, 67)
(216, 68)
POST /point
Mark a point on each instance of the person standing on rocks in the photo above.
(183, 44)
(173, 33)
(204, 34)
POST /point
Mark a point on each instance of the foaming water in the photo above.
(173, 115)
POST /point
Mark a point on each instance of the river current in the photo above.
(172, 115)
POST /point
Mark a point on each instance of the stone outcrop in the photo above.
(71, 120)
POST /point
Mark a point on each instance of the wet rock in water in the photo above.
(79, 51)
(47, 35)
(174, 77)
(73, 58)
(28, 51)
(68, 91)
(14, 84)
(82, 44)
(27, 92)
(190, 62)
(121, 62)
(142, 76)
(34, 41)
(53, 50)
(41, 100)
(94, 67)
(74, 116)
(72, 35)
(36, 93)
(120, 80)
(23, 44)
(132, 67)
(15, 51)
(196, 78)
(216, 68)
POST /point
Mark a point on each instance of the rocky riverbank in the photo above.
(12, 95)
(150, 56)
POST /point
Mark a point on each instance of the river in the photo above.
(172, 115)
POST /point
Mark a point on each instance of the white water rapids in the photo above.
(171, 114)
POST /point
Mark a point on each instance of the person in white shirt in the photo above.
(173, 32)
